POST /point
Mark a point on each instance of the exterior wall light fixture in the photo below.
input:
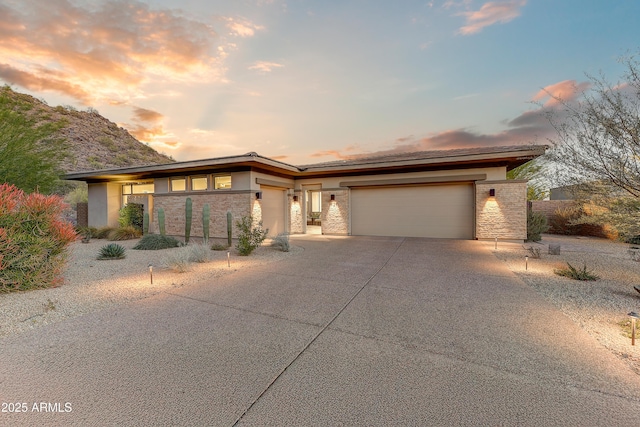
(258, 195)
(333, 197)
(492, 192)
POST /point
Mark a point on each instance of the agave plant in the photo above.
(112, 251)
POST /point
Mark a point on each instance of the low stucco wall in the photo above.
(505, 215)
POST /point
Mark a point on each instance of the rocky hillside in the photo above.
(93, 141)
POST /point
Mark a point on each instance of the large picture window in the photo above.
(222, 182)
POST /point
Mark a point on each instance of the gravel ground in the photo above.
(92, 285)
(599, 307)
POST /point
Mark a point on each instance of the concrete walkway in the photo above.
(354, 331)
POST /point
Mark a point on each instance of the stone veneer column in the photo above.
(296, 224)
(335, 214)
(505, 215)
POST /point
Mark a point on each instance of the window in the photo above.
(222, 182)
(142, 188)
(199, 183)
(178, 184)
(136, 188)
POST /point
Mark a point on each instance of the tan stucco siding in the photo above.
(104, 204)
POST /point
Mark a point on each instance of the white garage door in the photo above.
(273, 210)
(443, 211)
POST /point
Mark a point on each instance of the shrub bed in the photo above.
(33, 240)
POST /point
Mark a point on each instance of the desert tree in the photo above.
(596, 147)
(534, 172)
(30, 154)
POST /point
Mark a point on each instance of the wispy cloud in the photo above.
(108, 50)
(265, 66)
(530, 127)
(242, 27)
(148, 126)
(567, 90)
(489, 14)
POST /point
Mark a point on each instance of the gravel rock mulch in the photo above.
(599, 307)
(92, 285)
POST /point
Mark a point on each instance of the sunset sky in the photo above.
(308, 81)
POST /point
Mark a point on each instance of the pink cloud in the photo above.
(265, 66)
(489, 14)
(148, 126)
(144, 115)
(567, 90)
(107, 50)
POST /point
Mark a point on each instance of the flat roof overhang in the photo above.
(509, 157)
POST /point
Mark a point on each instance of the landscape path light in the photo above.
(526, 262)
(634, 316)
(151, 273)
(228, 259)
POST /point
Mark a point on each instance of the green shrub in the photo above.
(87, 233)
(33, 240)
(536, 225)
(103, 232)
(281, 242)
(132, 215)
(249, 237)
(124, 233)
(576, 274)
(219, 247)
(111, 251)
(153, 242)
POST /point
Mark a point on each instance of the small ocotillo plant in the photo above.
(206, 216)
(163, 230)
(229, 228)
(188, 210)
(145, 223)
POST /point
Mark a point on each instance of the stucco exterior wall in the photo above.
(239, 203)
(505, 215)
(104, 204)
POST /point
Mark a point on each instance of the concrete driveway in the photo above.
(353, 331)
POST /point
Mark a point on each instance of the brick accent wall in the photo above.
(505, 215)
(335, 214)
(219, 203)
(82, 214)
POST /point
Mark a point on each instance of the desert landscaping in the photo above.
(599, 307)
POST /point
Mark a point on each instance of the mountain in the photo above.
(93, 142)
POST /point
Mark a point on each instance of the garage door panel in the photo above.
(444, 211)
(273, 210)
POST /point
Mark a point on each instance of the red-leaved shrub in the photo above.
(33, 240)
